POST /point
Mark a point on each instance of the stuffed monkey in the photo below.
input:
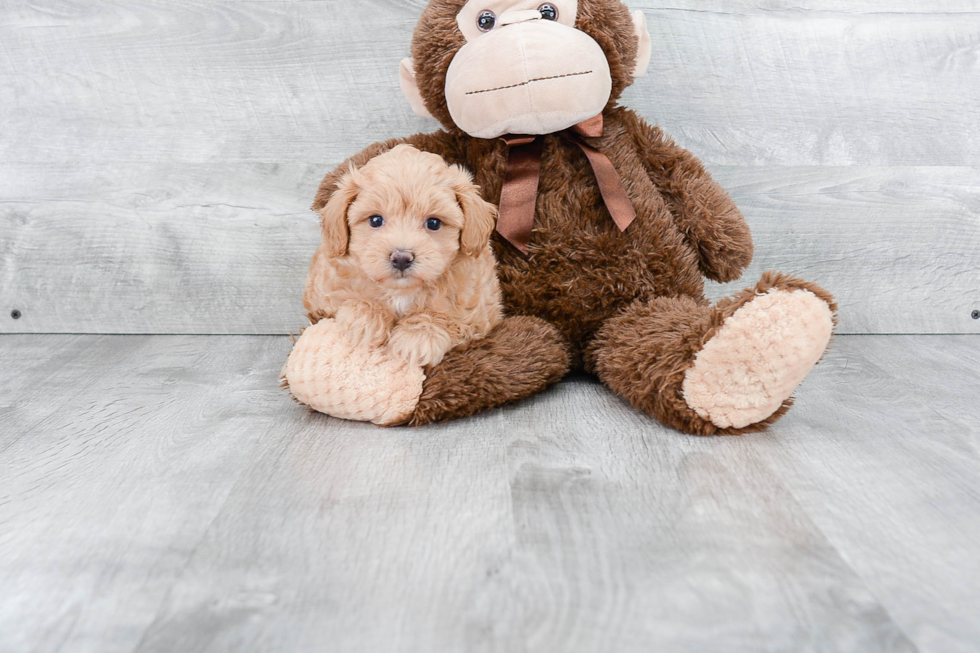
(606, 232)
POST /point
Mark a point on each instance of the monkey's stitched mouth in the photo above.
(530, 81)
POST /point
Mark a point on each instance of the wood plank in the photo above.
(194, 248)
(571, 522)
(117, 454)
(811, 6)
(815, 87)
(883, 453)
(199, 80)
(510, 534)
(170, 497)
(746, 83)
(898, 247)
(172, 249)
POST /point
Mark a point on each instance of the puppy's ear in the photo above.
(333, 216)
(479, 216)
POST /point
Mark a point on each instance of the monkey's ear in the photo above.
(410, 88)
(645, 48)
(479, 216)
(333, 217)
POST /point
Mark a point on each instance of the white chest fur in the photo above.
(401, 304)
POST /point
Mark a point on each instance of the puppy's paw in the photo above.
(363, 324)
(419, 343)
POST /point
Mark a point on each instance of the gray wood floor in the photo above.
(158, 493)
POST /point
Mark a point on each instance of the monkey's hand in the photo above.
(702, 210)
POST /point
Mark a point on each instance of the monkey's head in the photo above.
(494, 67)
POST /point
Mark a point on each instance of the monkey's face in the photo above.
(524, 70)
(523, 66)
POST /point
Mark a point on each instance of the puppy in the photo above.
(405, 257)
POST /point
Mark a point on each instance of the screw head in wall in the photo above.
(15, 314)
(975, 315)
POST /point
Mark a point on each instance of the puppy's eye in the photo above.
(433, 224)
(486, 21)
(548, 11)
(376, 221)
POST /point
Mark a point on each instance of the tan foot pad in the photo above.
(364, 384)
(758, 357)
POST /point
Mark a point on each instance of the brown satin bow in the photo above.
(520, 191)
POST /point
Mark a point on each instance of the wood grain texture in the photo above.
(159, 493)
(182, 249)
(898, 247)
(157, 158)
(744, 83)
(790, 7)
(176, 249)
(897, 495)
(115, 457)
(815, 87)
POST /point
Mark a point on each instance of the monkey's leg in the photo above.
(520, 357)
(724, 369)
(328, 373)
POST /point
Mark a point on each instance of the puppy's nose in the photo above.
(401, 259)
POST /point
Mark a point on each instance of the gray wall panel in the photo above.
(157, 158)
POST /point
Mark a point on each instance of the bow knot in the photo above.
(520, 190)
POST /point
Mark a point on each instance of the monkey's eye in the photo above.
(486, 21)
(376, 221)
(548, 11)
(433, 224)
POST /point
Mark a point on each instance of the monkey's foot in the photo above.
(754, 361)
(360, 383)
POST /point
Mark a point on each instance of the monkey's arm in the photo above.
(704, 212)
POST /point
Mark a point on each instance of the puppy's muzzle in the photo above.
(402, 259)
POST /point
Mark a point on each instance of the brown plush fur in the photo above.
(582, 269)
(521, 356)
(644, 352)
(633, 300)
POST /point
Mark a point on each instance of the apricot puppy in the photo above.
(405, 257)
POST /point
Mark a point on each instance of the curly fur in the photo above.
(447, 296)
